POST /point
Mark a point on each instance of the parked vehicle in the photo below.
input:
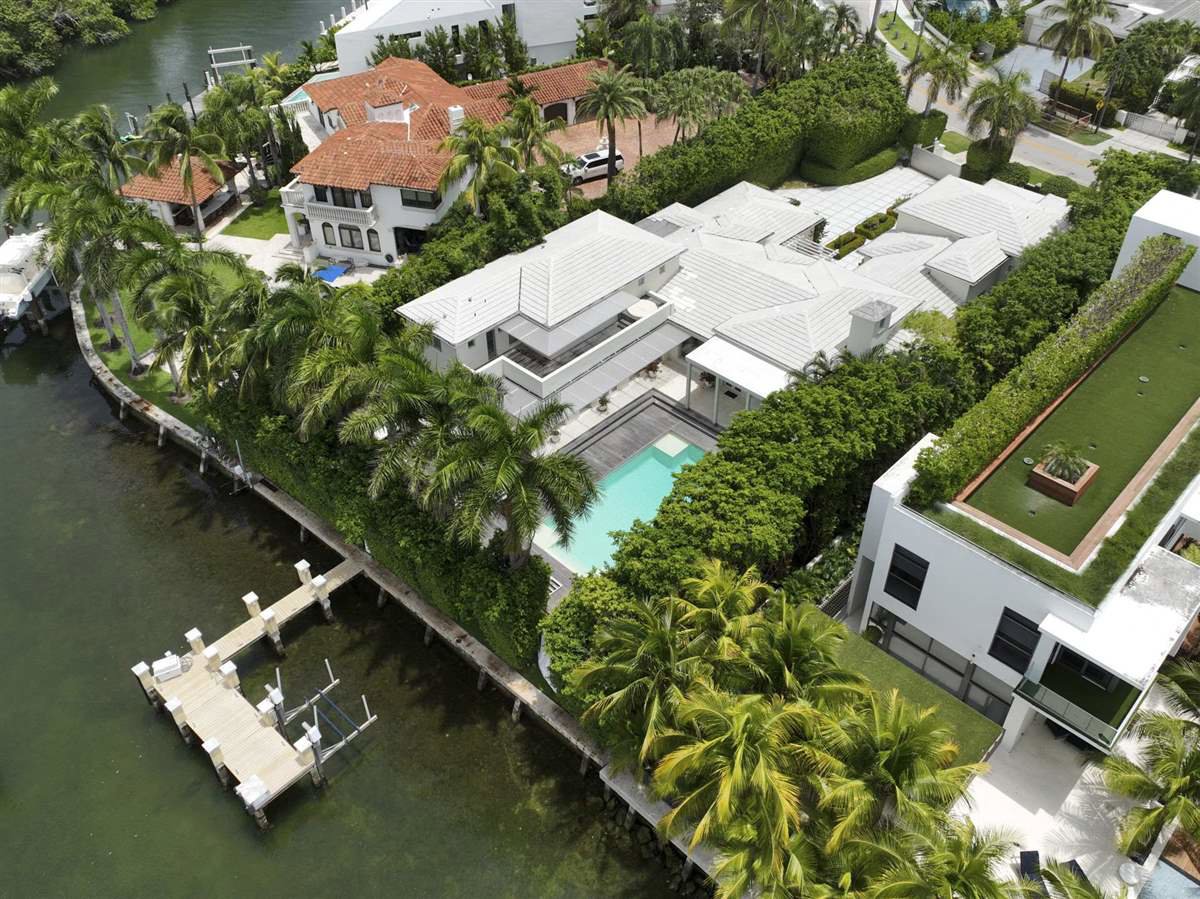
(590, 166)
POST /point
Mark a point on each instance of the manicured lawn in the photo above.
(1116, 420)
(154, 386)
(1110, 706)
(1081, 134)
(955, 142)
(974, 732)
(900, 36)
(260, 222)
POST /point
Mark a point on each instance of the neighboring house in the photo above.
(171, 202)
(548, 27)
(735, 292)
(557, 91)
(27, 286)
(954, 207)
(370, 189)
(1165, 213)
(1129, 16)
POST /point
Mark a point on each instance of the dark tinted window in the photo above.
(906, 577)
(1016, 639)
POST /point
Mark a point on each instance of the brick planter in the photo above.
(1056, 488)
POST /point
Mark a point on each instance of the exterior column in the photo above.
(293, 229)
(716, 397)
(687, 395)
(747, 392)
(1020, 715)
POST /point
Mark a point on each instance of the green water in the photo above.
(111, 550)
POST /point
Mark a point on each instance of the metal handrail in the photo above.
(1067, 712)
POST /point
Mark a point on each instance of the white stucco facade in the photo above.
(1165, 213)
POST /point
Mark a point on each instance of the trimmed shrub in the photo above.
(847, 243)
(984, 159)
(1088, 102)
(872, 227)
(920, 130)
(811, 170)
(979, 436)
(1060, 186)
(1013, 173)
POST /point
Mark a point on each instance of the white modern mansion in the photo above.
(735, 292)
(548, 27)
(370, 186)
(958, 594)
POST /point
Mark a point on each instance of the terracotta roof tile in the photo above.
(392, 81)
(167, 185)
(374, 153)
(547, 86)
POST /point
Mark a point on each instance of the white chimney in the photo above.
(456, 115)
(869, 324)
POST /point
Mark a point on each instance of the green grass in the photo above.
(1113, 418)
(955, 142)
(1081, 134)
(153, 386)
(1092, 584)
(260, 222)
(974, 732)
(1110, 706)
(900, 36)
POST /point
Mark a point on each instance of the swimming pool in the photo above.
(964, 7)
(1168, 882)
(632, 490)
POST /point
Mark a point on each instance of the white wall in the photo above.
(1183, 221)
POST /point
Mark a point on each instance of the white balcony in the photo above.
(292, 195)
(340, 215)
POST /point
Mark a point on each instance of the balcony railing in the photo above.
(292, 196)
(1068, 713)
(341, 215)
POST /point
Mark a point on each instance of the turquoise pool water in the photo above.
(1169, 882)
(631, 491)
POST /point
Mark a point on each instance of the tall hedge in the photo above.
(838, 114)
(979, 436)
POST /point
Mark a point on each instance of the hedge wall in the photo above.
(471, 584)
(877, 164)
(920, 130)
(764, 140)
(979, 436)
(985, 159)
(875, 225)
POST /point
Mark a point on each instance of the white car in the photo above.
(590, 166)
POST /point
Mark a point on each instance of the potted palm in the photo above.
(602, 403)
(1063, 473)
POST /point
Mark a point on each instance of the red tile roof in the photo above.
(392, 81)
(167, 185)
(374, 153)
(547, 86)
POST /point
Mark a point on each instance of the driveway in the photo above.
(584, 136)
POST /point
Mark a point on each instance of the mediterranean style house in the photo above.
(370, 186)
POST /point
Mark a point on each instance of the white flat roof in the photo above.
(1136, 627)
(739, 366)
(1172, 210)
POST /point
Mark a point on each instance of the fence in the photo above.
(933, 164)
(1154, 126)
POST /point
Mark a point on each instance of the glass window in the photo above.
(350, 236)
(373, 240)
(437, 344)
(327, 233)
(906, 577)
(364, 199)
(1089, 671)
(1016, 639)
(343, 197)
(421, 199)
(321, 193)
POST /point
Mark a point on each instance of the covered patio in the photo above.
(171, 202)
(723, 379)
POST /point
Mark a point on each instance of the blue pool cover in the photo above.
(332, 273)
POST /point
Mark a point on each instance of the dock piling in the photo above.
(272, 628)
(213, 748)
(121, 411)
(516, 711)
(175, 707)
(142, 672)
(584, 762)
(313, 734)
(162, 435)
(428, 635)
(195, 640)
(266, 712)
(381, 600)
(212, 658)
(320, 589)
(275, 695)
(303, 533)
(303, 569)
(252, 607)
(229, 676)
(203, 460)
(481, 681)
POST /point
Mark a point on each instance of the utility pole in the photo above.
(912, 71)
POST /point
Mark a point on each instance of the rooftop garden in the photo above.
(1116, 419)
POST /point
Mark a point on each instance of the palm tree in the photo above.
(796, 656)
(232, 111)
(717, 607)
(97, 135)
(952, 858)
(618, 13)
(529, 134)
(897, 761)
(1065, 884)
(759, 17)
(1075, 31)
(1003, 105)
(615, 95)
(948, 70)
(1064, 460)
(843, 25)
(169, 138)
(1164, 779)
(643, 670)
(1187, 106)
(732, 763)
(20, 111)
(651, 45)
(479, 154)
(500, 468)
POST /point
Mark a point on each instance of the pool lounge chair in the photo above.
(1031, 870)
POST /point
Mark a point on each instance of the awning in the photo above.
(731, 363)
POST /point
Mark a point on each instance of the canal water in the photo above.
(112, 548)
